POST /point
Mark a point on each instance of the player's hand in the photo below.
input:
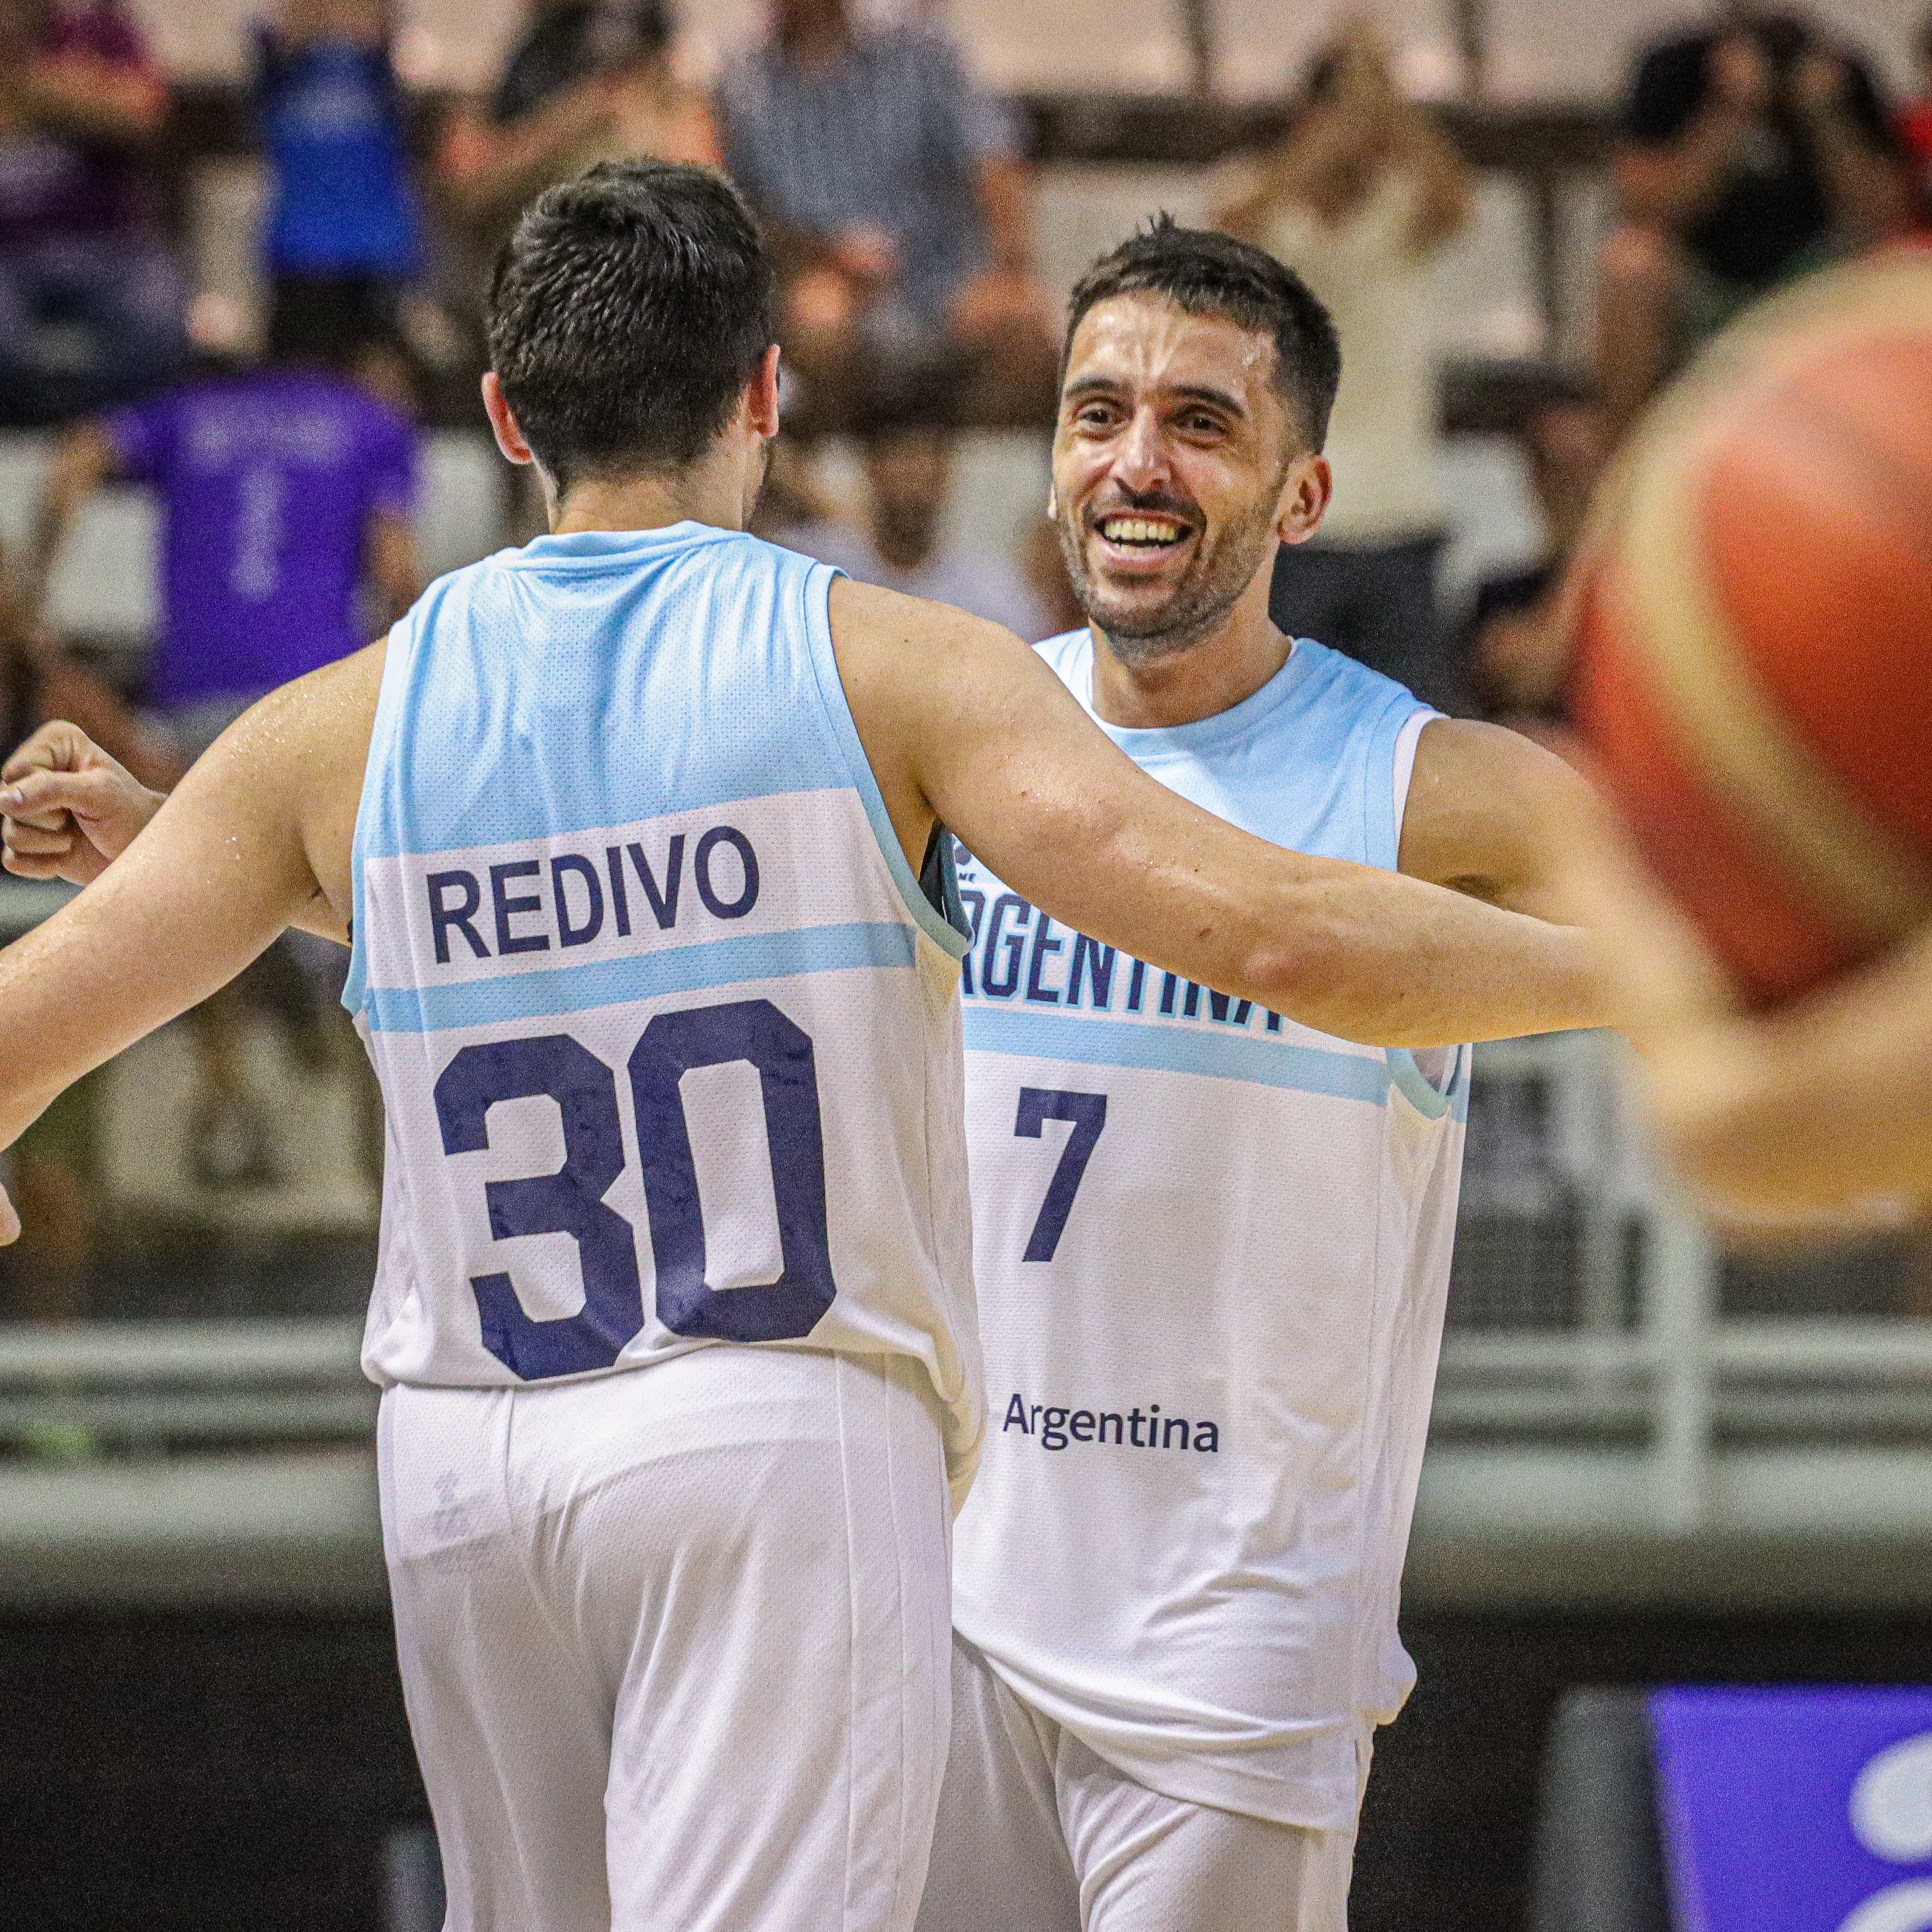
(66, 809)
(10, 1222)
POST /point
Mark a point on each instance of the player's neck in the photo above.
(1229, 664)
(715, 490)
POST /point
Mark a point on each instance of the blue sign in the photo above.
(1796, 1810)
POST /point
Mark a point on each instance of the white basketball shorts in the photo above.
(1037, 1833)
(674, 1642)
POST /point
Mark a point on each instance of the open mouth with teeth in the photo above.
(1142, 532)
(1134, 542)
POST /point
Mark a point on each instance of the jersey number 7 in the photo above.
(1088, 1114)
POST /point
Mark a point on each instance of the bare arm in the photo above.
(1445, 185)
(1323, 139)
(1668, 185)
(1870, 191)
(257, 837)
(68, 808)
(1364, 123)
(962, 721)
(1820, 1112)
(1006, 196)
(1485, 806)
(1407, 135)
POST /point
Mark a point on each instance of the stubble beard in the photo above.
(1209, 589)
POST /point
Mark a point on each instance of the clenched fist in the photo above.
(66, 809)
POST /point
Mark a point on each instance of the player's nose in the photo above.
(1140, 455)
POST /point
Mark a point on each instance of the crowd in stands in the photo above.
(900, 201)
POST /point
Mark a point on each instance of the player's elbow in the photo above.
(1311, 977)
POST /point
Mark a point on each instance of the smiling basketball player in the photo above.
(1211, 1242)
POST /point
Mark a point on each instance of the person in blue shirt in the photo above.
(343, 209)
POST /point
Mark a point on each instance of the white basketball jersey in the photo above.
(666, 1027)
(1212, 1248)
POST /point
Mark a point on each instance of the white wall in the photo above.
(1542, 47)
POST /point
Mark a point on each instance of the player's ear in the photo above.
(761, 394)
(1305, 494)
(503, 421)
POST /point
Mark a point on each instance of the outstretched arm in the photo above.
(961, 720)
(256, 838)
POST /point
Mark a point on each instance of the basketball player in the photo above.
(627, 828)
(1212, 1241)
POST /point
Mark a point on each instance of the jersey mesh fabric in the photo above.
(667, 1030)
(1210, 1357)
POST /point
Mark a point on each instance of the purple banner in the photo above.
(1796, 1810)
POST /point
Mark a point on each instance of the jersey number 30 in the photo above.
(570, 1202)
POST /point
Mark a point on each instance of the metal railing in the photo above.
(157, 1387)
(1612, 1399)
(1642, 1377)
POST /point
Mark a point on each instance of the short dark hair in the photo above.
(627, 311)
(1204, 272)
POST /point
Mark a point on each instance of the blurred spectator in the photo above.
(591, 80)
(343, 212)
(284, 491)
(90, 303)
(900, 206)
(906, 437)
(54, 1161)
(1358, 198)
(1915, 123)
(1752, 153)
(1515, 647)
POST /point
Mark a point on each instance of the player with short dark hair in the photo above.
(673, 1311)
(1204, 272)
(676, 281)
(1211, 1240)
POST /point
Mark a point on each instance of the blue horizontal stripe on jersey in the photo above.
(1177, 1049)
(608, 983)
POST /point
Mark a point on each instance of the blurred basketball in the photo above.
(1753, 632)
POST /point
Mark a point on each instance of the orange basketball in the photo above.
(1753, 632)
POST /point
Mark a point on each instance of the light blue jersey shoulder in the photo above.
(1307, 762)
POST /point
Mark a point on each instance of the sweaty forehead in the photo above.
(1145, 343)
